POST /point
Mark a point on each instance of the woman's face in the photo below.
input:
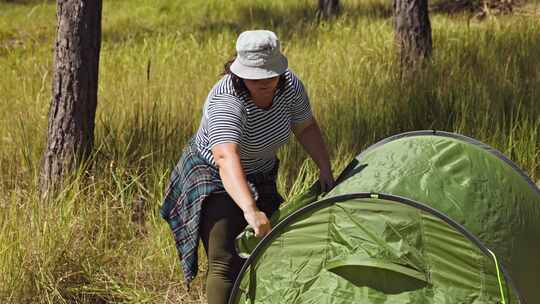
(262, 87)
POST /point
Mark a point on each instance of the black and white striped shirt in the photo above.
(230, 117)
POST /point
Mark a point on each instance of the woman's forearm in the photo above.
(234, 180)
(312, 140)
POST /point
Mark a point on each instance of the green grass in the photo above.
(484, 82)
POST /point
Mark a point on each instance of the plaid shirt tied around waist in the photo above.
(191, 181)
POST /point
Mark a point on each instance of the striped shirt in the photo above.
(232, 117)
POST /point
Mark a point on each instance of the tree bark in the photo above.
(412, 32)
(328, 8)
(70, 132)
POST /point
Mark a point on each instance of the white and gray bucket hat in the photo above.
(258, 55)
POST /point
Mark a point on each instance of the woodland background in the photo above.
(101, 240)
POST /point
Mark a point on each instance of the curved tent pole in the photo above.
(335, 199)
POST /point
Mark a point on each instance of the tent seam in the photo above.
(483, 274)
(424, 254)
(331, 220)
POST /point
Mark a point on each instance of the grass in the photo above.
(158, 60)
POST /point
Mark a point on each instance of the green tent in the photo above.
(421, 217)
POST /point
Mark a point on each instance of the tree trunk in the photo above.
(328, 8)
(413, 32)
(70, 132)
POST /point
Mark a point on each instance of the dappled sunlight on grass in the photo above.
(103, 240)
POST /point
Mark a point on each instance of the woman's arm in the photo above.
(227, 158)
(310, 137)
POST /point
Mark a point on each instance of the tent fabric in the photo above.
(471, 183)
(464, 180)
(369, 250)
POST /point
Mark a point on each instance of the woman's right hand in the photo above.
(259, 222)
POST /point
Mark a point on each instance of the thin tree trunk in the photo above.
(328, 8)
(412, 32)
(74, 90)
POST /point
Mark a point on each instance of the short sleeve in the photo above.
(225, 115)
(301, 109)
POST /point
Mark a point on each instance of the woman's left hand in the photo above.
(327, 180)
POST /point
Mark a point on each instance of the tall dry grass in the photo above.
(102, 240)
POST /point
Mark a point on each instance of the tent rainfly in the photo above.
(420, 217)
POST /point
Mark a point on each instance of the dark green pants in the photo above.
(222, 220)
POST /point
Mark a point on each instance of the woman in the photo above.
(226, 177)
